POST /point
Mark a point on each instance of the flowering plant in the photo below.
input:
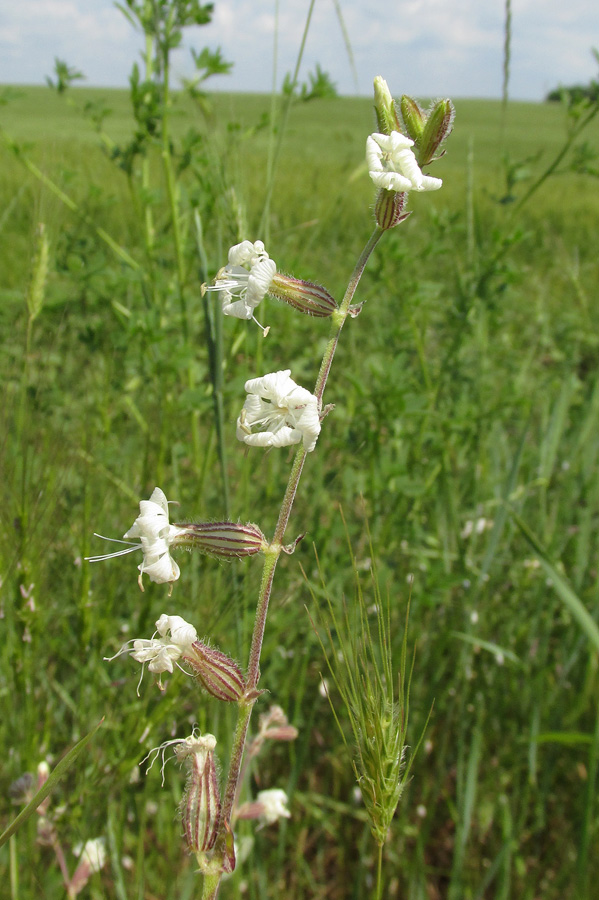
(277, 413)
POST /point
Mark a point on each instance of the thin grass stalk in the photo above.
(379, 873)
(213, 319)
(171, 188)
(263, 227)
(507, 50)
(582, 863)
(574, 134)
(145, 166)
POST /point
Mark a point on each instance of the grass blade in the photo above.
(55, 776)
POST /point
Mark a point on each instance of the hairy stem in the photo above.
(272, 556)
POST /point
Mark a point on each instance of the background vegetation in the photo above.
(468, 388)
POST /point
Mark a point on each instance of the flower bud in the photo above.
(200, 807)
(384, 107)
(305, 296)
(429, 129)
(438, 125)
(224, 540)
(218, 674)
(389, 209)
(413, 118)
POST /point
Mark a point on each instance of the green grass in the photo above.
(467, 387)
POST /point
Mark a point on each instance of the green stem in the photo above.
(171, 184)
(379, 873)
(274, 551)
(210, 887)
(557, 160)
(145, 166)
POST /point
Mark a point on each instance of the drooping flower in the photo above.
(269, 806)
(155, 535)
(251, 274)
(93, 853)
(244, 282)
(275, 803)
(176, 639)
(392, 164)
(278, 412)
(92, 858)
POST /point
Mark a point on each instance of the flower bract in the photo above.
(278, 412)
(392, 165)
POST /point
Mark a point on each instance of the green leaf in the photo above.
(570, 599)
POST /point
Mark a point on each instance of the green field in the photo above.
(460, 458)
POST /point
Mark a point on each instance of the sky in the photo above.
(427, 48)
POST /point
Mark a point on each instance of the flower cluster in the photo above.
(394, 159)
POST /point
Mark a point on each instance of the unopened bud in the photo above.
(275, 726)
(438, 125)
(200, 807)
(218, 674)
(413, 118)
(389, 209)
(225, 540)
(384, 106)
(305, 296)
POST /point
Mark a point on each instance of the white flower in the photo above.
(176, 639)
(93, 853)
(281, 411)
(274, 805)
(245, 281)
(155, 536)
(392, 164)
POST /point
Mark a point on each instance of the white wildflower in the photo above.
(93, 853)
(274, 805)
(392, 165)
(175, 640)
(245, 281)
(155, 535)
(278, 412)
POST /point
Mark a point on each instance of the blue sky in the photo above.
(424, 47)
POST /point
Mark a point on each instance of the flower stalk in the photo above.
(271, 557)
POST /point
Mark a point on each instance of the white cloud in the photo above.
(451, 47)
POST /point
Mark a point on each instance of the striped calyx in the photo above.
(218, 674)
(225, 540)
(305, 296)
(389, 208)
(201, 806)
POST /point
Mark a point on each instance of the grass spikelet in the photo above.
(39, 273)
(375, 690)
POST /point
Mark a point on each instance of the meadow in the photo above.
(459, 464)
